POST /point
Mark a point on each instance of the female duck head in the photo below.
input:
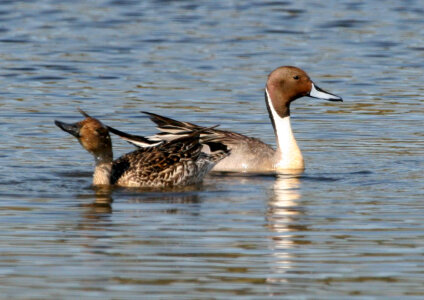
(92, 135)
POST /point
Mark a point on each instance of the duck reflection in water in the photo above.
(283, 209)
(102, 203)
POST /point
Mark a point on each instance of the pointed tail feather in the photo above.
(172, 129)
(84, 113)
(175, 132)
(169, 125)
(137, 140)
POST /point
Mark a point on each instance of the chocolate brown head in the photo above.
(286, 84)
(92, 135)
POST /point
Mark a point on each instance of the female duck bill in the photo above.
(73, 129)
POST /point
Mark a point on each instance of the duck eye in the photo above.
(296, 77)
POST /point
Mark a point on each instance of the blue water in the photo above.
(352, 226)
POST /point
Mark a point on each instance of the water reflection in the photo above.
(282, 208)
(98, 196)
(168, 198)
(97, 209)
(102, 203)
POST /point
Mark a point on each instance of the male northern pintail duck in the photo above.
(285, 84)
(178, 162)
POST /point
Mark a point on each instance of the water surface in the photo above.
(351, 226)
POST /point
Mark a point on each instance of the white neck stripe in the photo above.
(278, 121)
(288, 153)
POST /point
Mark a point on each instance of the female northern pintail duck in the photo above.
(285, 84)
(175, 163)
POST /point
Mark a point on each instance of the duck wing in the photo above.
(177, 162)
(171, 129)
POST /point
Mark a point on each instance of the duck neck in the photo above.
(288, 155)
(103, 169)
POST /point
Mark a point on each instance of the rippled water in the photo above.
(351, 226)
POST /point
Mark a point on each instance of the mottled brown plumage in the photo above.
(178, 162)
